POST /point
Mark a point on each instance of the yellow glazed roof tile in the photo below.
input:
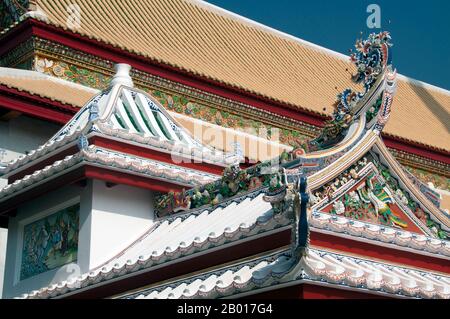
(204, 40)
(46, 86)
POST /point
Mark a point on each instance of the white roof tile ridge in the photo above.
(205, 237)
(42, 150)
(383, 234)
(90, 155)
(288, 36)
(38, 176)
(35, 75)
(152, 228)
(118, 269)
(318, 265)
(121, 160)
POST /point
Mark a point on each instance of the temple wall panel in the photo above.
(47, 229)
(80, 67)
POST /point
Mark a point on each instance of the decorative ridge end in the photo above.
(301, 204)
(122, 76)
(35, 12)
(372, 59)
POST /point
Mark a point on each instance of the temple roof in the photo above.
(77, 95)
(101, 157)
(173, 238)
(203, 230)
(216, 44)
(124, 112)
(126, 109)
(46, 86)
(319, 266)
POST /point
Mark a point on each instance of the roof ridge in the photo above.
(294, 38)
(423, 84)
(266, 28)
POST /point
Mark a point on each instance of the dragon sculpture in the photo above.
(371, 59)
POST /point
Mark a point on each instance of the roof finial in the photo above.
(122, 75)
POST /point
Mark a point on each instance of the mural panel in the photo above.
(50, 242)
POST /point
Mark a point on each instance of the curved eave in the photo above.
(369, 141)
(421, 198)
(75, 167)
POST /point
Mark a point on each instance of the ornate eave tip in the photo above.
(373, 61)
(122, 76)
(34, 11)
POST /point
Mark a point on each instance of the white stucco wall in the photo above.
(28, 213)
(111, 218)
(16, 137)
(23, 134)
(120, 215)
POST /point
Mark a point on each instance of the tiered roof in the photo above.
(319, 266)
(248, 216)
(215, 44)
(348, 160)
(126, 113)
(272, 197)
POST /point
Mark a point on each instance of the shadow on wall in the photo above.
(441, 112)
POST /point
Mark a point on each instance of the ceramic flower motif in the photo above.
(339, 207)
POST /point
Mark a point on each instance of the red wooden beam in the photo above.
(42, 164)
(154, 154)
(120, 147)
(81, 173)
(311, 291)
(115, 177)
(379, 252)
(35, 105)
(112, 53)
(417, 149)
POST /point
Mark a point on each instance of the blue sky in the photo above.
(420, 29)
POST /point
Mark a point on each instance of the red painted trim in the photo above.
(379, 252)
(88, 171)
(310, 291)
(36, 106)
(218, 257)
(71, 177)
(417, 149)
(131, 180)
(42, 164)
(153, 154)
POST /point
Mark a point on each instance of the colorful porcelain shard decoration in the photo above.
(371, 59)
(341, 215)
(50, 242)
